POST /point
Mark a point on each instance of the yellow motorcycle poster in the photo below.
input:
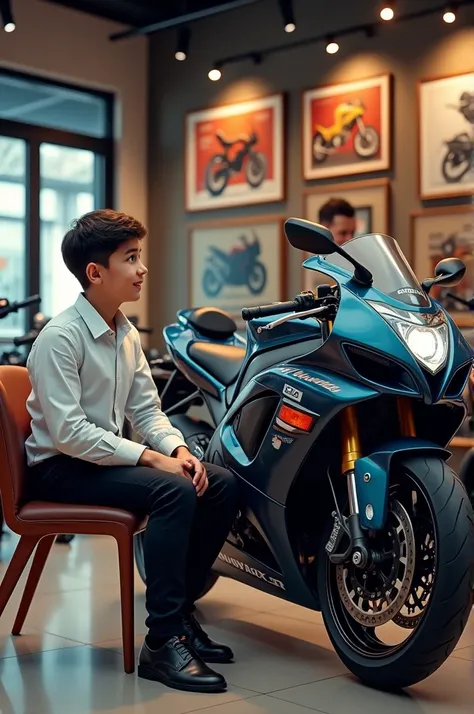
(346, 128)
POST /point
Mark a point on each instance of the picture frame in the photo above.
(446, 136)
(444, 232)
(371, 199)
(226, 268)
(347, 128)
(235, 154)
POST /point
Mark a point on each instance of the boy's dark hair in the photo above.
(94, 237)
(335, 207)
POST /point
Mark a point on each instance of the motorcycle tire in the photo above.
(256, 169)
(258, 270)
(211, 579)
(466, 474)
(211, 284)
(369, 152)
(465, 164)
(319, 157)
(214, 188)
(441, 622)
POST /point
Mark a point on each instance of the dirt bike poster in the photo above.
(446, 136)
(347, 128)
(439, 233)
(236, 263)
(235, 154)
(371, 200)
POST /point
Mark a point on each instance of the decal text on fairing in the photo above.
(251, 571)
(305, 377)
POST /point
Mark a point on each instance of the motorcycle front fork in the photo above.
(351, 451)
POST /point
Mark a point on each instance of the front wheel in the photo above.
(456, 165)
(395, 623)
(367, 143)
(256, 169)
(257, 278)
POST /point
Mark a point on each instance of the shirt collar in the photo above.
(95, 322)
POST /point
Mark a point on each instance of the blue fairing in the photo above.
(298, 365)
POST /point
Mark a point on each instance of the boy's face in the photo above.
(122, 280)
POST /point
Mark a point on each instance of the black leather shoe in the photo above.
(201, 643)
(178, 666)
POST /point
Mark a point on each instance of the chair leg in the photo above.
(126, 566)
(37, 566)
(20, 558)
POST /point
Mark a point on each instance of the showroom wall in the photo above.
(418, 49)
(59, 43)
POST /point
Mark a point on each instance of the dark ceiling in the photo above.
(138, 13)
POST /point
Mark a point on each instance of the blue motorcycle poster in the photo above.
(236, 264)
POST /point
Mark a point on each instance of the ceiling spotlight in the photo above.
(7, 16)
(182, 48)
(286, 9)
(449, 15)
(215, 74)
(387, 12)
(332, 46)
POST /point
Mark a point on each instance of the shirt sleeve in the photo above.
(143, 409)
(54, 373)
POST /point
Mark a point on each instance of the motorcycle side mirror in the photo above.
(449, 272)
(313, 238)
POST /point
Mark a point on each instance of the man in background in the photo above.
(339, 216)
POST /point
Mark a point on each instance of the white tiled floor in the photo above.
(68, 660)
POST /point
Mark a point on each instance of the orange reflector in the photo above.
(295, 418)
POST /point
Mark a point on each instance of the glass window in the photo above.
(70, 187)
(12, 231)
(32, 101)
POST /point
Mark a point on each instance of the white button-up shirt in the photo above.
(85, 381)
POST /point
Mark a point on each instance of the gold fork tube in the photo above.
(351, 449)
(405, 415)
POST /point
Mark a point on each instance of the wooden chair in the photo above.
(39, 522)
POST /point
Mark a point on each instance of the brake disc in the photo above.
(374, 596)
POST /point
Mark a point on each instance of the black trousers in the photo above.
(184, 533)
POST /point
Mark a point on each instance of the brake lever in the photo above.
(292, 316)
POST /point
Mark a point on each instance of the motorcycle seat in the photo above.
(228, 144)
(223, 362)
(212, 322)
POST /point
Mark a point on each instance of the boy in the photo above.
(88, 372)
(339, 216)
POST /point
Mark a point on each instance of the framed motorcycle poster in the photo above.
(371, 201)
(347, 128)
(237, 263)
(438, 233)
(446, 136)
(235, 154)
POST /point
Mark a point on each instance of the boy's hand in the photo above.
(177, 466)
(196, 469)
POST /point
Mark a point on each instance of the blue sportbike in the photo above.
(334, 414)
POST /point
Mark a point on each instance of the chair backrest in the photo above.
(15, 428)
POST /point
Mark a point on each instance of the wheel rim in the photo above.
(373, 627)
(455, 168)
(367, 143)
(217, 175)
(256, 279)
(318, 148)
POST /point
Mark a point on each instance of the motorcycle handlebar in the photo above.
(14, 306)
(468, 303)
(27, 339)
(250, 313)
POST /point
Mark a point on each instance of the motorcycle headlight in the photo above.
(425, 335)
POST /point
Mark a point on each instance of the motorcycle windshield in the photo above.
(392, 274)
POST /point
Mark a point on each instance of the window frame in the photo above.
(34, 136)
